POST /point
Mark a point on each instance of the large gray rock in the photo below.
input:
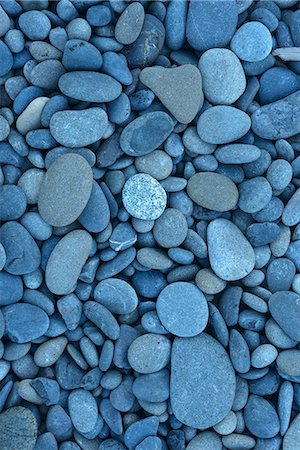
(202, 381)
(18, 429)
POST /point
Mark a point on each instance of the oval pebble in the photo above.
(252, 42)
(170, 229)
(255, 194)
(284, 307)
(130, 23)
(149, 353)
(83, 410)
(12, 202)
(237, 153)
(116, 295)
(24, 322)
(50, 351)
(261, 418)
(102, 318)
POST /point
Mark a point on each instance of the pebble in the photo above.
(223, 76)
(288, 365)
(6, 59)
(24, 322)
(90, 218)
(102, 318)
(285, 80)
(261, 418)
(83, 410)
(202, 387)
(182, 309)
(290, 214)
(252, 42)
(255, 194)
(81, 55)
(237, 153)
(146, 133)
(176, 89)
(158, 164)
(222, 124)
(231, 255)
(143, 197)
(149, 353)
(30, 119)
(291, 438)
(116, 295)
(66, 261)
(12, 202)
(170, 229)
(18, 428)
(78, 128)
(140, 430)
(284, 308)
(213, 191)
(130, 24)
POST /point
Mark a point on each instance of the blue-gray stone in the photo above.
(277, 83)
(102, 318)
(46, 74)
(239, 352)
(126, 337)
(261, 418)
(237, 153)
(252, 42)
(11, 288)
(262, 233)
(95, 216)
(139, 430)
(116, 66)
(255, 194)
(18, 428)
(130, 23)
(175, 24)
(48, 390)
(36, 226)
(280, 274)
(83, 410)
(59, 423)
(54, 104)
(81, 55)
(284, 307)
(24, 322)
(153, 387)
(149, 353)
(116, 265)
(12, 202)
(6, 59)
(35, 25)
(116, 295)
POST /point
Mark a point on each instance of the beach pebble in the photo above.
(237, 153)
(24, 322)
(81, 55)
(290, 440)
(255, 194)
(83, 410)
(12, 202)
(130, 24)
(18, 428)
(260, 417)
(284, 307)
(30, 119)
(149, 353)
(116, 295)
(252, 42)
(285, 80)
(170, 229)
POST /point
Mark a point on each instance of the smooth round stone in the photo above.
(227, 425)
(263, 356)
(65, 190)
(237, 441)
(237, 153)
(230, 254)
(4, 128)
(146, 133)
(143, 197)
(211, 24)
(182, 309)
(12, 202)
(116, 295)
(291, 215)
(6, 59)
(81, 55)
(25, 322)
(83, 410)
(255, 194)
(11, 287)
(223, 76)
(209, 283)
(35, 25)
(30, 119)
(2, 257)
(158, 164)
(288, 365)
(260, 234)
(277, 83)
(154, 258)
(208, 440)
(223, 124)
(291, 438)
(149, 353)
(252, 42)
(90, 218)
(30, 183)
(179, 89)
(22, 253)
(170, 229)
(279, 174)
(202, 381)
(66, 261)
(78, 128)
(130, 24)
(50, 351)
(90, 86)
(280, 274)
(18, 429)
(213, 191)
(285, 309)
(261, 418)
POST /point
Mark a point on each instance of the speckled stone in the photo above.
(130, 23)
(25, 322)
(149, 353)
(291, 438)
(285, 309)
(252, 42)
(18, 429)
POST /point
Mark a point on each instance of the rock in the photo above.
(102, 318)
(30, 183)
(211, 24)
(280, 274)
(261, 418)
(175, 24)
(279, 174)
(153, 387)
(238, 441)
(30, 119)
(291, 215)
(11, 288)
(66, 261)
(50, 351)
(288, 365)
(65, 190)
(260, 234)
(12, 202)
(35, 25)
(146, 133)
(46, 74)
(18, 429)
(278, 120)
(179, 89)
(78, 128)
(277, 83)
(143, 197)
(81, 55)
(116, 295)
(89, 86)
(291, 438)
(202, 381)
(170, 229)
(223, 76)
(123, 236)
(96, 214)
(285, 309)
(252, 42)
(70, 308)
(116, 66)
(149, 353)
(2, 257)
(22, 253)
(158, 164)
(237, 153)
(182, 309)
(209, 283)
(213, 191)
(208, 439)
(255, 194)
(263, 356)
(4, 128)
(25, 322)
(139, 430)
(222, 124)
(6, 58)
(83, 410)
(48, 390)
(230, 254)
(130, 23)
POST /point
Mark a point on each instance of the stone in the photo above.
(143, 197)
(18, 429)
(65, 190)
(213, 191)
(252, 42)
(239, 441)
(46, 74)
(237, 153)
(278, 120)
(12, 202)
(96, 214)
(123, 236)
(279, 174)
(35, 25)
(207, 440)
(6, 58)
(230, 254)
(208, 282)
(102, 318)
(222, 124)
(280, 274)
(285, 81)
(202, 381)
(30, 182)
(83, 410)
(146, 133)
(81, 55)
(2, 257)
(149, 353)
(285, 309)
(66, 261)
(11, 288)
(290, 215)
(89, 86)
(255, 194)
(263, 356)
(170, 229)
(4, 128)
(179, 89)
(152, 387)
(223, 76)
(211, 24)
(116, 295)
(50, 351)
(130, 24)
(25, 322)
(158, 164)
(261, 418)
(140, 430)
(30, 119)
(260, 234)
(182, 309)
(78, 128)
(291, 438)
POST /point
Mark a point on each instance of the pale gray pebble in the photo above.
(83, 410)
(30, 182)
(255, 194)
(263, 356)
(152, 387)
(50, 351)
(154, 258)
(207, 440)
(209, 283)
(170, 229)
(290, 440)
(116, 295)
(149, 353)
(237, 441)
(252, 42)
(102, 318)
(122, 237)
(70, 309)
(139, 430)
(158, 164)
(130, 23)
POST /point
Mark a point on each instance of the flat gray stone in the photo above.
(179, 89)
(291, 438)
(252, 42)
(90, 86)
(208, 440)
(116, 295)
(130, 23)
(149, 353)
(231, 255)
(50, 351)
(223, 76)
(66, 261)
(78, 128)
(223, 124)
(213, 191)
(291, 212)
(255, 194)
(25, 322)
(237, 153)
(83, 410)
(261, 418)
(202, 381)
(285, 309)
(278, 120)
(143, 197)
(182, 309)
(18, 429)
(170, 229)
(65, 190)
